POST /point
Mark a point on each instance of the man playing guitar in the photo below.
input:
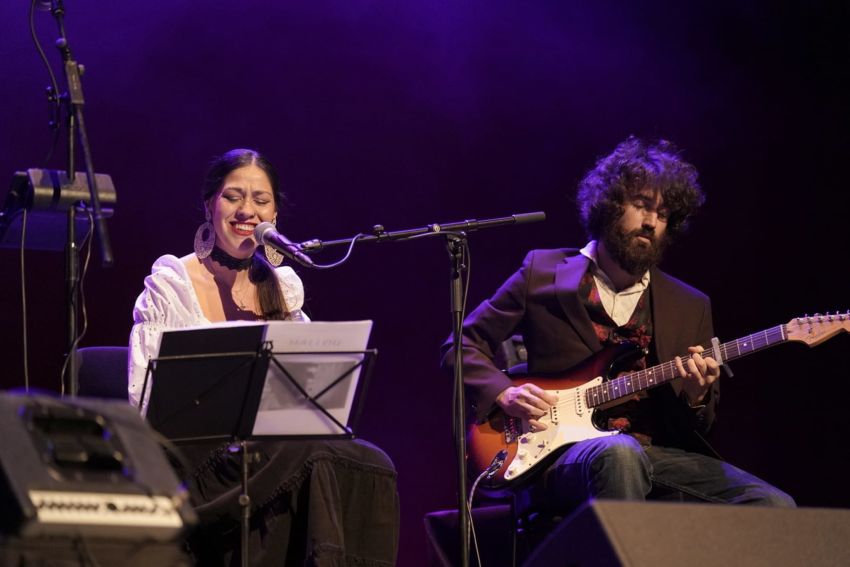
(573, 306)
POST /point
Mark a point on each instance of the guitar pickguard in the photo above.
(568, 422)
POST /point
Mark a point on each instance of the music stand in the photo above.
(269, 380)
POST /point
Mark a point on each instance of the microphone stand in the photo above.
(457, 244)
(379, 234)
(76, 123)
(74, 102)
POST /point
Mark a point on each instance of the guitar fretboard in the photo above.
(634, 382)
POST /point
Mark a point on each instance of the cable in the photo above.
(469, 511)
(354, 240)
(467, 260)
(24, 302)
(87, 240)
(495, 466)
(53, 97)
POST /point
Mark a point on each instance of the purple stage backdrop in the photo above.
(409, 113)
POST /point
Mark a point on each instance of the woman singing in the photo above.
(313, 502)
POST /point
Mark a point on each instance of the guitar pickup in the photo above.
(553, 410)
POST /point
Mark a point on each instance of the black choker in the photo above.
(229, 261)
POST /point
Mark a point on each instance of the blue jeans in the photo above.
(618, 467)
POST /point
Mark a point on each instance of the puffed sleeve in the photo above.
(166, 302)
(293, 292)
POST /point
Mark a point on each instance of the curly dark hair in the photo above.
(632, 167)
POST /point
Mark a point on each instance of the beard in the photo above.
(633, 255)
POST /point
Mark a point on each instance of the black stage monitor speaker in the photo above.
(86, 470)
(631, 534)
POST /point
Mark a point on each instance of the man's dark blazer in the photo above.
(540, 302)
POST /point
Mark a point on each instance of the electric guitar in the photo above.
(509, 450)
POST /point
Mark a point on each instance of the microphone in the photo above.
(497, 463)
(266, 233)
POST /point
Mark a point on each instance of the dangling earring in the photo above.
(204, 238)
(274, 257)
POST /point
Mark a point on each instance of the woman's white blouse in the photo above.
(169, 301)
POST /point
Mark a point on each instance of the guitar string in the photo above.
(669, 368)
(740, 345)
(626, 381)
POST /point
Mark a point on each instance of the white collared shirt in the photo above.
(618, 304)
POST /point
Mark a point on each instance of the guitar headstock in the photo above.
(817, 328)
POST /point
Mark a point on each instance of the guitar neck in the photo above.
(634, 382)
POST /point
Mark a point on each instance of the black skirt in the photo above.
(319, 503)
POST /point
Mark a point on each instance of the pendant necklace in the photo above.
(238, 299)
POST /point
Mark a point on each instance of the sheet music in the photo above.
(283, 408)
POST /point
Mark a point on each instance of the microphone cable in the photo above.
(87, 240)
(344, 259)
